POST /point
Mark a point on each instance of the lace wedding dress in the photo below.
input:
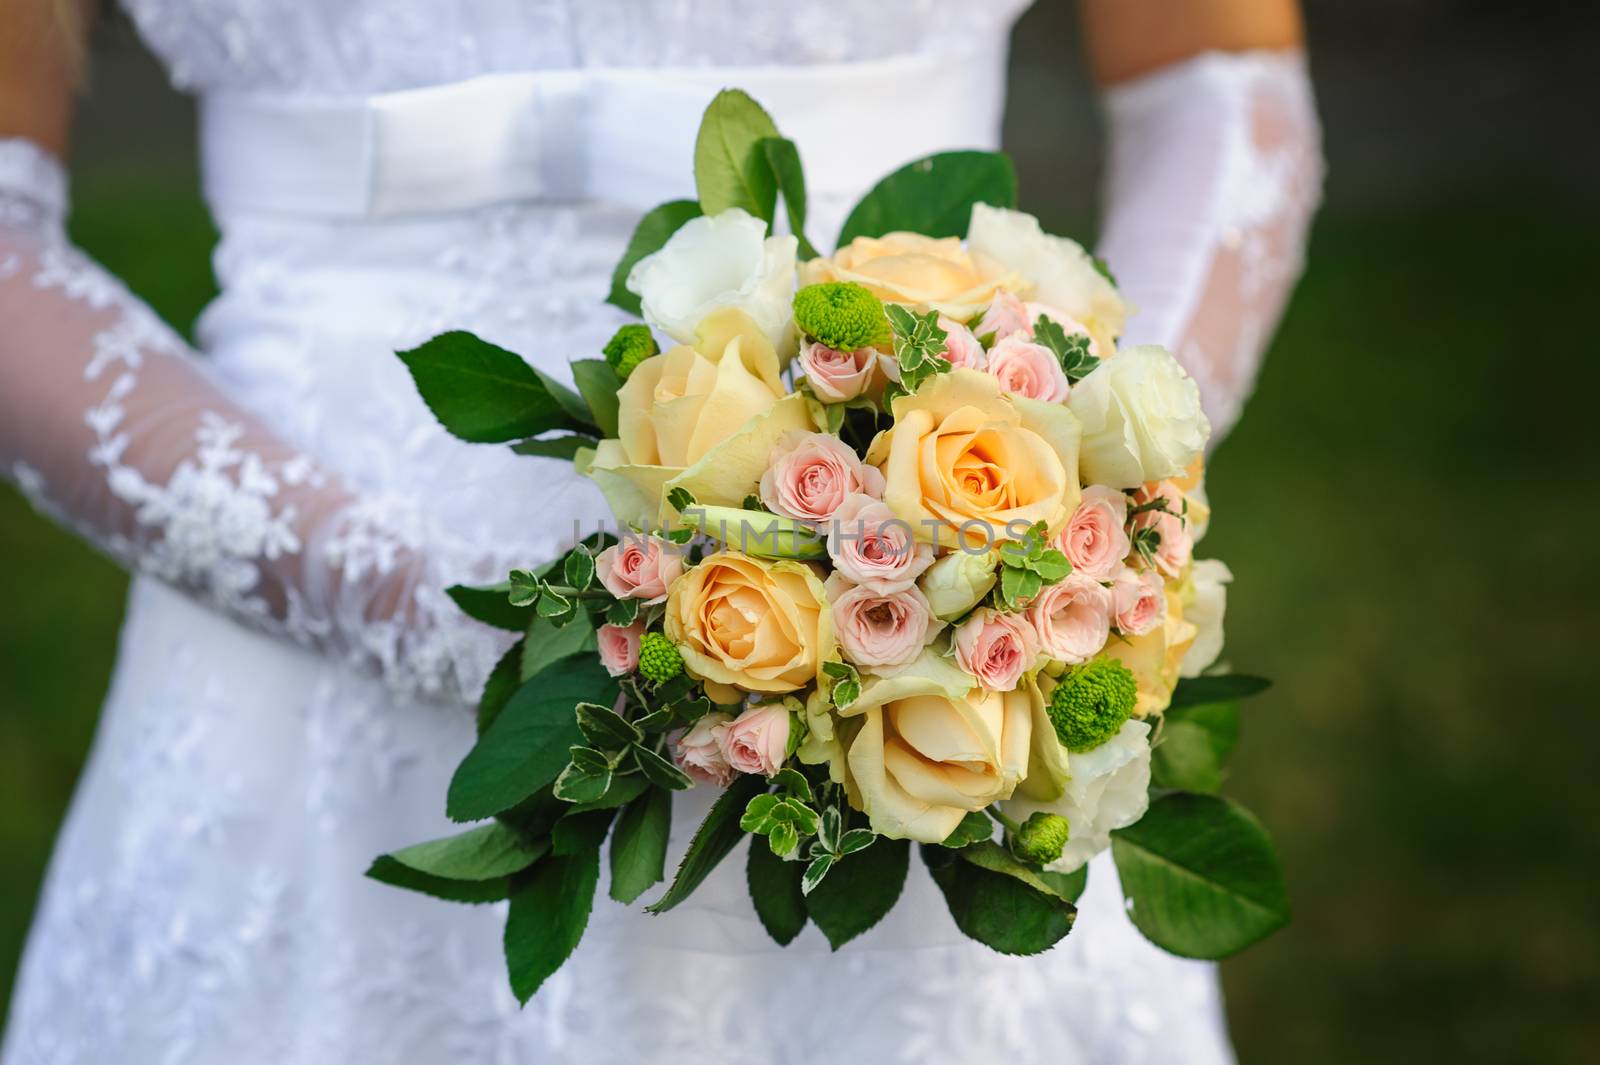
(289, 699)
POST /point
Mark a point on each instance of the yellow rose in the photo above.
(755, 625)
(702, 416)
(927, 746)
(678, 405)
(964, 464)
(924, 272)
(1155, 657)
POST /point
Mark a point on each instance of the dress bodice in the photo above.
(366, 46)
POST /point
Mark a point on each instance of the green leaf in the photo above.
(680, 498)
(975, 827)
(527, 745)
(490, 605)
(730, 164)
(989, 855)
(555, 447)
(485, 394)
(783, 839)
(487, 852)
(1217, 689)
(522, 590)
(598, 383)
(1051, 565)
(653, 231)
(547, 644)
(784, 159)
(579, 831)
(386, 870)
(1200, 875)
(718, 834)
(639, 845)
(550, 906)
(859, 891)
(578, 568)
(586, 777)
(793, 781)
(857, 839)
(1072, 352)
(775, 891)
(605, 728)
(933, 196)
(815, 871)
(659, 771)
(1195, 742)
(997, 910)
(503, 682)
(625, 787)
(622, 612)
(1068, 886)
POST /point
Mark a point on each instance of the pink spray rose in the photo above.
(961, 347)
(1138, 601)
(837, 376)
(1095, 540)
(810, 475)
(996, 648)
(875, 549)
(619, 647)
(697, 752)
(1072, 618)
(1177, 544)
(757, 741)
(883, 630)
(1006, 315)
(1027, 369)
(639, 567)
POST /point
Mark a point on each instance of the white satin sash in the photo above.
(624, 136)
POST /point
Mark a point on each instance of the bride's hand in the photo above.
(1215, 171)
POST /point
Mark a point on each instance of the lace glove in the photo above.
(109, 424)
(1215, 172)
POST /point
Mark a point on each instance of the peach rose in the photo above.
(880, 629)
(1006, 315)
(749, 623)
(924, 747)
(812, 473)
(619, 647)
(1028, 369)
(1095, 540)
(1072, 619)
(928, 273)
(697, 753)
(1138, 601)
(873, 548)
(639, 567)
(996, 648)
(961, 346)
(757, 741)
(965, 466)
(838, 376)
(1177, 546)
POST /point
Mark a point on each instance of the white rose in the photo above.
(1107, 789)
(958, 582)
(716, 261)
(1141, 419)
(1205, 602)
(1063, 275)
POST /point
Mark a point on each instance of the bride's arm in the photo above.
(110, 423)
(1215, 171)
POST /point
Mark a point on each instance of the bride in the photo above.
(290, 696)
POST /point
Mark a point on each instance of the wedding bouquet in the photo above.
(904, 554)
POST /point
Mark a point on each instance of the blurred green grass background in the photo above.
(1406, 507)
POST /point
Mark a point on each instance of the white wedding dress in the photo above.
(289, 699)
